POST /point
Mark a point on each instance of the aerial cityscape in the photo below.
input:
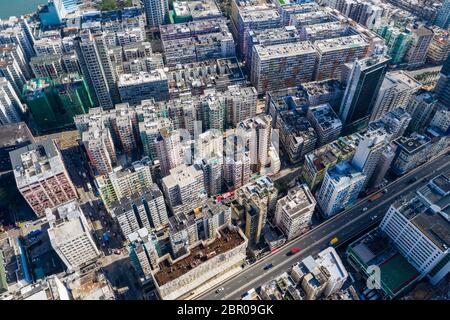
(233, 150)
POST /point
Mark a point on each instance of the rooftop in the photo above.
(375, 248)
(182, 176)
(325, 117)
(401, 80)
(127, 79)
(344, 172)
(412, 144)
(297, 125)
(429, 210)
(340, 43)
(229, 239)
(15, 133)
(285, 49)
(35, 162)
(298, 201)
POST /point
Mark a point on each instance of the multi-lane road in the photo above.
(345, 225)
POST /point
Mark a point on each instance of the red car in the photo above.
(293, 251)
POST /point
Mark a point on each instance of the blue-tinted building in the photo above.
(52, 13)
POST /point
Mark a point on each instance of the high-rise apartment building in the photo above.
(340, 188)
(135, 87)
(332, 53)
(70, 236)
(144, 252)
(169, 150)
(100, 148)
(411, 152)
(257, 135)
(184, 188)
(123, 182)
(369, 151)
(11, 108)
(156, 11)
(443, 16)
(294, 211)
(442, 88)
(141, 209)
(237, 170)
(258, 199)
(240, 104)
(47, 66)
(282, 65)
(421, 107)
(41, 176)
(396, 90)
(416, 53)
(267, 37)
(297, 134)
(97, 68)
(321, 159)
(14, 51)
(253, 18)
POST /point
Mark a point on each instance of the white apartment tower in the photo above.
(97, 68)
(156, 12)
(396, 91)
(10, 106)
(169, 150)
(369, 151)
(184, 188)
(294, 211)
(340, 188)
(70, 236)
(99, 147)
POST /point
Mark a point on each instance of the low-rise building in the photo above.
(205, 260)
(325, 122)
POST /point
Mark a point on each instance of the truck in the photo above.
(333, 241)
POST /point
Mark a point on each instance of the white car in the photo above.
(364, 209)
(219, 290)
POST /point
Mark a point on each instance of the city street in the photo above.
(345, 225)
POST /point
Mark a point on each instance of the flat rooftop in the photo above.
(401, 80)
(325, 117)
(182, 175)
(413, 143)
(259, 15)
(35, 162)
(228, 240)
(127, 79)
(375, 248)
(15, 133)
(284, 50)
(340, 43)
